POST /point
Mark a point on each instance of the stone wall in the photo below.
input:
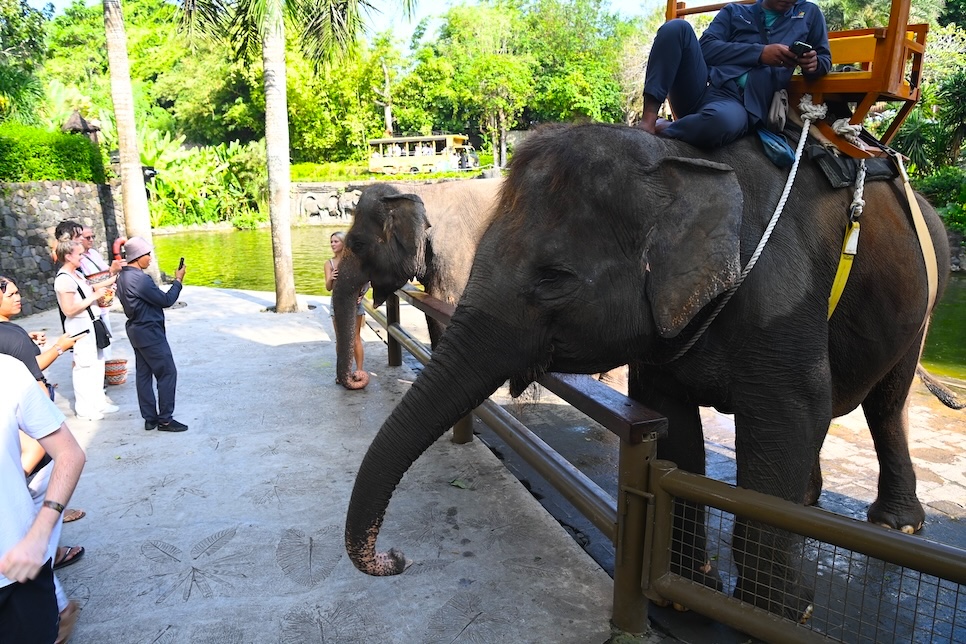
(29, 212)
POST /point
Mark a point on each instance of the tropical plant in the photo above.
(22, 50)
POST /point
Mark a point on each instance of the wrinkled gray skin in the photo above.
(401, 231)
(607, 247)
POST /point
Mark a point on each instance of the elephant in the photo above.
(401, 231)
(610, 245)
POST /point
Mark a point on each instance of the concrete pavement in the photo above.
(232, 531)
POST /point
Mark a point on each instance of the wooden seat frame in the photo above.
(886, 65)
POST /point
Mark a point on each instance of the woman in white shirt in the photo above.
(78, 303)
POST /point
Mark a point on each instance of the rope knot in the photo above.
(849, 132)
(811, 111)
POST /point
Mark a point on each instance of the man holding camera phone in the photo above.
(144, 305)
(721, 86)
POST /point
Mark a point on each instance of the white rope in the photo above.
(849, 132)
(858, 203)
(809, 113)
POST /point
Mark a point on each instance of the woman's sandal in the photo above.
(73, 515)
(67, 555)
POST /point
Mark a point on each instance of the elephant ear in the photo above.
(692, 253)
(405, 231)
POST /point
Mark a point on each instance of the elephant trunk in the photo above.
(454, 383)
(345, 295)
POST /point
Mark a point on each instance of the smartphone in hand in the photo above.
(181, 264)
(800, 48)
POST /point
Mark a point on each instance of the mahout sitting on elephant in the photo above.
(402, 231)
(610, 246)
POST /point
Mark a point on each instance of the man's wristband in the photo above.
(53, 505)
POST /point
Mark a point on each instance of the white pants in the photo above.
(88, 377)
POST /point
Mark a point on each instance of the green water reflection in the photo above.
(946, 345)
(243, 260)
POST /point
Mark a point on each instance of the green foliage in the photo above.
(34, 154)
(575, 45)
(954, 12)
(21, 35)
(332, 171)
(946, 190)
(954, 215)
(942, 186)
(22, 50)
(865, 14)
(202, 184)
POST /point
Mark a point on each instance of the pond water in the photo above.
(243, 260)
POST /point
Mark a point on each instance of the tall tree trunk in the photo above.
(503, 137)
(277, 144)
(137, 218)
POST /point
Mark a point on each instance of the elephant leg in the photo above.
(684, 447)
(896, 505)
(777, 440)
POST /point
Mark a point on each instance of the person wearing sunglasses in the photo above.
(92, 263)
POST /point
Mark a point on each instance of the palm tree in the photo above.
(137, 218)
(326, 30)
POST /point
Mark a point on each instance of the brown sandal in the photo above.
(73, 515)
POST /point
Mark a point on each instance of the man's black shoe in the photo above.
(150, 424)
(173, 426)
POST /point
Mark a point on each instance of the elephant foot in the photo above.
(784, 598)
(906, 517)
(706, 575)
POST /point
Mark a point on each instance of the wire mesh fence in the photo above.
(854, 598)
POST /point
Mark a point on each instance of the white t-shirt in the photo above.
(64, 282)
(93, 262)
(22, 406)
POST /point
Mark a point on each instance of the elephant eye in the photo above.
(554, 274)
(356, 245)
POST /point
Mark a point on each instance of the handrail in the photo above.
(626, 418)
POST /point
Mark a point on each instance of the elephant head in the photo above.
(578, 272)
(388, 236)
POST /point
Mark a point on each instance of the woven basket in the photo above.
(107, 299)
(115, 371)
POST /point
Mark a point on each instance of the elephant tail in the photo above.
(939, 389)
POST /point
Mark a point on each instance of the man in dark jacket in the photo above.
(144, 305)
(721, 86)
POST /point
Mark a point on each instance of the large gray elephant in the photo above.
(611, 246)
(401, 231)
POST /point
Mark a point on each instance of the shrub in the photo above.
(946, 190)
(34, 154)
(942, 186)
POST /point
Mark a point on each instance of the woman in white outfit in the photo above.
(78, 303)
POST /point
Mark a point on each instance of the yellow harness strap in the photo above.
(849, 248)
(925, 239)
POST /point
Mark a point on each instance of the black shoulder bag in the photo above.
(101, 335)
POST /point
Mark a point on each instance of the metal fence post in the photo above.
(630, 604)
(463, 430)
(392, 317)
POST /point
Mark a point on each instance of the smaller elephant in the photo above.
(402, 231)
